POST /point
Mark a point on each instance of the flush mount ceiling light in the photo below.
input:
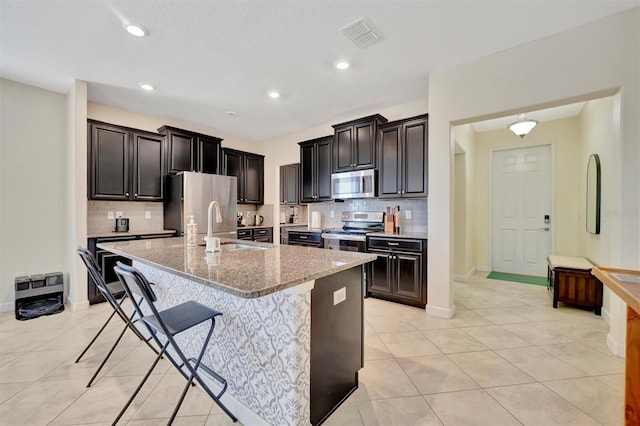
(342, 65)
(523, 126)
(273, 94)
(136, 30)
(147, 87)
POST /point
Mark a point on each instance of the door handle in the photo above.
(546, 228)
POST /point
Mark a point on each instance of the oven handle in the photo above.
(343, 237)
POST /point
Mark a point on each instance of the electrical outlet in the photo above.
(118, 214)
(147, 214)
(109, 215)
(331, 214)
(407, 214)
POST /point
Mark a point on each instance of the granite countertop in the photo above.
(289, 225)
(131, 233)
(307, 229)
(246, 273)
(418, 235)
(239, 228)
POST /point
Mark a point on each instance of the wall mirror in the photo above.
(593, 194)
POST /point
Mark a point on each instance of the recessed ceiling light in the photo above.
(147, 87)
(231, 113)
(274, 95)
(342, 65)
(136, 30)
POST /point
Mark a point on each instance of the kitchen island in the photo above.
(290, 339)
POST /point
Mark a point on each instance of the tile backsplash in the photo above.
(99, 223)
(418, 208)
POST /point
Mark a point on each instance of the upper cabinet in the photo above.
(403, 162)
(249, 169)
(315, 170)
(191, 151)
(290, 184)
(354, 144)
(124, 164)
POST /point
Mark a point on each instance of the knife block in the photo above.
(388, 224)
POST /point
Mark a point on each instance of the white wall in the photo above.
(564, 138)
(33, 196)
(136, 120)
(465, 250)
(584, 63)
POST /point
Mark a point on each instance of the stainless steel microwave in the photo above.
(358, 184)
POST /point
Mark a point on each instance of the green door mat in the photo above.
(527, 279)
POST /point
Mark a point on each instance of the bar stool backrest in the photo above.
(94, 272)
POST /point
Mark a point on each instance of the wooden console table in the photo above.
(573, 282)
(628, 291)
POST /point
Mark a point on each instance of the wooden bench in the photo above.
(573, 283)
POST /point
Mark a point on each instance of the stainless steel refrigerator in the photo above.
(190, 193)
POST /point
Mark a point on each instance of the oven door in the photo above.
(344, 242)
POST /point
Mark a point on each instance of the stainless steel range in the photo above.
(353, 235)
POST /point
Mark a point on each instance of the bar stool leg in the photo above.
(104, 361)
(96, 336)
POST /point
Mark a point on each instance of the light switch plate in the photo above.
(331, 214)
(407, 214)
(109, 215)
(147, 214)
(339, 296)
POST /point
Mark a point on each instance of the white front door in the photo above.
(521, 198)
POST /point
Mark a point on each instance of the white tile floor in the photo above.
(506, 358)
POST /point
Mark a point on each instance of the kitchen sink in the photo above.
(229, 246)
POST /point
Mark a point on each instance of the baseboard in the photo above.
(80, 306)
(441, 312)
(464, 278)
(615, 347)
(7, 307)
(482, 268)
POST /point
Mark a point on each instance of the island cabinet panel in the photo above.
(315, 169)
(124, 164)
(337, 344)
(189, 151)
(354, 144)
(249, 169)
(403, 158)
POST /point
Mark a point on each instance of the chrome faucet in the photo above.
(212, 205)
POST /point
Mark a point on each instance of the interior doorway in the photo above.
(521, 194)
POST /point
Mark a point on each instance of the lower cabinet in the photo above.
(399, 273)
(264, 235)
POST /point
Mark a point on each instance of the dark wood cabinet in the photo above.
(315, 169)
(124, 164)
(249, 169)
(290, 184)
(403, 158)
(354, 144)
(191, 151)
(399, 273)
(264, 235)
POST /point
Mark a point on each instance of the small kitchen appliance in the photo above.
(122, 224)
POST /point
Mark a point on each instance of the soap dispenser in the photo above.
(192, 233)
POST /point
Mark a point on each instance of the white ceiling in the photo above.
(208, 57)
(555, 113)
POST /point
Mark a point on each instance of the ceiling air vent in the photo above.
(361, 33)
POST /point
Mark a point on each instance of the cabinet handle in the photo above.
(399, 192)
(126, 193)
(389, 243)
(135, 195)
(303, 237)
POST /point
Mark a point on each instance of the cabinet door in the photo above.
(109, 163)
(343, 149)
(208, 155)
(233, 165)
(253, 179)
(147, 167)
(290, 187)
(323, 170)
(307, 173)
(180, 155)
(407, 277)
(364, 153)
(379, 279)
(415, 156)
(389, 167)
